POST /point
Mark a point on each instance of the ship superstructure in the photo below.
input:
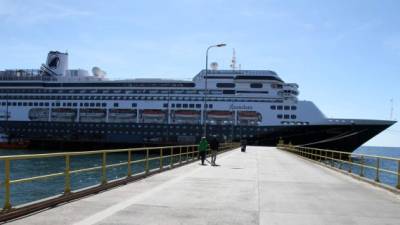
(56, 104)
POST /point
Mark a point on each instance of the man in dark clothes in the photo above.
(214, 146)
(243, 143)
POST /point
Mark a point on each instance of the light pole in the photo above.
(206, 90)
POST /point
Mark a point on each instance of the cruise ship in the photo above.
(58, 105)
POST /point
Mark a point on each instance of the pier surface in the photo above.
(262, 186)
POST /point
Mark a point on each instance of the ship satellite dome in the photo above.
(214, 66)
(98, 72)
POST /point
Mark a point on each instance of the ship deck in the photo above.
(262, 186)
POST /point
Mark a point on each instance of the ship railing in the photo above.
(150, 160)
(380, 170)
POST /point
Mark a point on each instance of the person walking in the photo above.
(214, 146)
(243, 143)
(203, 146)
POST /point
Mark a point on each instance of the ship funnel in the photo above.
(57, 63)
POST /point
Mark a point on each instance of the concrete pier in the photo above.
(262, 186)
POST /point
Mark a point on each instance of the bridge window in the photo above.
(287, 107)
(293, 107)
(273, 107)
(286, 116)
(225, 85)
(280, 107)
(293, 116)
(279, 116)
(256, 85)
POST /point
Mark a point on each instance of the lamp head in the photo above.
(221, 45)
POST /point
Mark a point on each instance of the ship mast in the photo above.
(233, 64)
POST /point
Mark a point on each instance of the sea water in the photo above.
(31, 191)
(26, 192)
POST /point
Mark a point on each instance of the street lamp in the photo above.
(206, 90)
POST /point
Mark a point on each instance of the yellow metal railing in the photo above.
(351, 160)
(177, 155)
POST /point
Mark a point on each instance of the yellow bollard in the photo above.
(7, 193)
(67, 188)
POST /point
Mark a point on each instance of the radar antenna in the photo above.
(233, 65)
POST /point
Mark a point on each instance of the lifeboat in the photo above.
(187, 113)
(93, 112)
(219, 114)
(249, 115)
(153, 113)
(38, 114)
(92, 115)
(63, 112)
(153, 116)
(187, 117)
(122, 113)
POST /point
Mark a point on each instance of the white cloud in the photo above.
(33, 12)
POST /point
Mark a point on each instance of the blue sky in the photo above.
(345, 55)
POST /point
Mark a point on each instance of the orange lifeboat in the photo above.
(219, 114)
(187, 113)
(153, 113)
(249, 115)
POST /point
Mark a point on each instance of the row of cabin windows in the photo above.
(286, 116)
(232, 85)
(97, 104)
(186, 106)
(64, 104)
(281, 107)
(151, 98)
(294, 123)
(24, 104)
(107, 91)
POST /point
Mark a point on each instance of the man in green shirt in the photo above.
(203, 146)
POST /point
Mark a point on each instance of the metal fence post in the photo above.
(67, 188)
(340, 160)
(350, 164)
(104, 169)
(147, 161)
(161, 158)
(171, 158)
(180, 155)
(377, 170)
(7, 193)
(398, 174)
(129, 163)
(362, 166)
